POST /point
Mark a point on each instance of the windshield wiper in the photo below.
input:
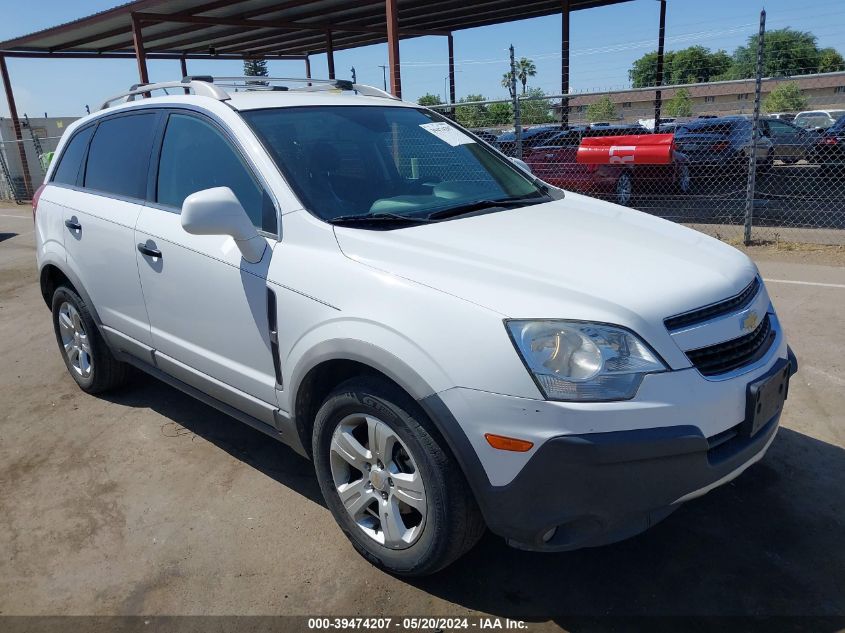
(478, 205)
(378, 218)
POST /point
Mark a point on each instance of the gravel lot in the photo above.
(148, 502)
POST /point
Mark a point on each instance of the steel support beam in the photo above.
(658, 80)
(451, 47)
(392, 16)
(307, 66)
(564, 64)
(148, 55)
(140, 54)
(274, 24)
(330, 54)
(16, 124)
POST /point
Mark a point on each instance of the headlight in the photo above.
(585, 362)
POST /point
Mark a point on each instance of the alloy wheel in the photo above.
(75, 342)
(624, 189)
(378, 481)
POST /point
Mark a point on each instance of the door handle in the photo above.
(73, 225)
(149, 252)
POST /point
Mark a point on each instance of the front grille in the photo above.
(699, 315)
(724, 357)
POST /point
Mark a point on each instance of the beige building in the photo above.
(822, 91)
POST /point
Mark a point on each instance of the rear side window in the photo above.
(67, 171)
(119, 156)
(196, 156)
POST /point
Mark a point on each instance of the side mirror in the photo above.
(217, 211)
(521, 164)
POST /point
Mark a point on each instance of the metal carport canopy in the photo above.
(274, 29)
(268, 28)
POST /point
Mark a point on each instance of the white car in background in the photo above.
(454, 343)
(817, 119)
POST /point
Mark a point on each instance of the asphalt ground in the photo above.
(146, 501)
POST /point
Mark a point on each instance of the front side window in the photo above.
(359, 161)
(119, 157)
(70, 163)
(196, 156)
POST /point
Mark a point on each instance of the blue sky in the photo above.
(604, 42)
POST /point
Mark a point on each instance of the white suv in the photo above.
(455, 344)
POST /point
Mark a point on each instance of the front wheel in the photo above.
(392, 486)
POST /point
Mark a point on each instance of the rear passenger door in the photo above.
(207, 305)
(99, 214)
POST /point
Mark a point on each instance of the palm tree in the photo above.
(525, 68)
(506, 83)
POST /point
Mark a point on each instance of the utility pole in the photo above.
(658, 80)
(517, 115)
(755, 134)
(384, 74)
(354, 78)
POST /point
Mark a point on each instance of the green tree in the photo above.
(500, 113)
(525, 68)
(256, 68)
(508, 83)
(786, 97)
(786, 52)
(429, 99)
(830, 61)
(695, 64)
(472, 116)
(535, 109)
(601, 110)
(680, 104)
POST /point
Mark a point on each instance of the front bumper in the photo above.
(587, 489)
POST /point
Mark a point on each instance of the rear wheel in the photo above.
(684, 178)
(86, 355)
(393, 488)
(624, 189)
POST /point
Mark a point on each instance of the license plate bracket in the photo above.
(765, 397)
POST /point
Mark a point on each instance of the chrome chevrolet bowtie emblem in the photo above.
(749, 321)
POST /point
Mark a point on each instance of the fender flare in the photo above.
(77, 285)
(362, 352)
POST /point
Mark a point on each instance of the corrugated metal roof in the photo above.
(299, 26)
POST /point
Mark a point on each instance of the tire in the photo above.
(87, 357)
(440, 523)
(624, 189)
(683, 178)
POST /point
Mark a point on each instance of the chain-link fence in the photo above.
(797, 192)
(38, 152)
(726, 167)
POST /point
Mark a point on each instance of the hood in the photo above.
(575, 258)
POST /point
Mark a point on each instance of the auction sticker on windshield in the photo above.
(447, 133)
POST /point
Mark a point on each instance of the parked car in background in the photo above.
(555, 162)
(790, 143)
(531, 137)
(782, 116)
(486, 135)
(721, 146)
(829, 147)
(817, 119)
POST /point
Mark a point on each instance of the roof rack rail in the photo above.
(197, 85)
(305, 84)
(209, 86)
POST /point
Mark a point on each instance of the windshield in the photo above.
(813, 120)
(349, 161)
